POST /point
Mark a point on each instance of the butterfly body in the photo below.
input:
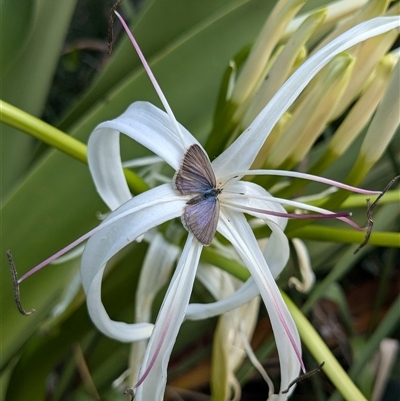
(211, 193)
(196, 177)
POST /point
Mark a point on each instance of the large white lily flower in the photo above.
(160, 132)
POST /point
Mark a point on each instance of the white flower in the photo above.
(160, 132)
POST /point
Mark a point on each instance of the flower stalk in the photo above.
(46, 133)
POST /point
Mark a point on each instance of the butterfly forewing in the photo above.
(196, 177)
(201, 219)
(195, 174)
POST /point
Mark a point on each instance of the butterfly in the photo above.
(196, 177)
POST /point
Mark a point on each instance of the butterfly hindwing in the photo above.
(195, 174)
(201, 219)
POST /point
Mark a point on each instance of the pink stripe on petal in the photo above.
(289, 334)
(155, 355)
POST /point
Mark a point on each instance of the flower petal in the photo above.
(306, 271)
(276, 255)
(249, 194)
(252, 139)
(156, 271)
(132, 219)
(244, 294)
(151, 384)
(147, 125)
(235, 228)
(277, 251)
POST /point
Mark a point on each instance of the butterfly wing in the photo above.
(195, 174)
(201, 219)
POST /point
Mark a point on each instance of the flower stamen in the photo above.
(110, 25)
(343, 216)
(152, 78)
(17, 296)
(311, 177)
(130, 391)
(304, 376)
(370, 208)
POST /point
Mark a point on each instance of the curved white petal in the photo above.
(168, 323)
(306, 271)
(129, 221)
(235, 228)
(277, 251)
(156, 270)
(244, 294)
(234, 158)
(276, 255)
(147, 125)
(217, 281)
(251, 195)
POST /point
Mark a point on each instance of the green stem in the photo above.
(57, 139)
(229, 265)
(319, 233)
(353, 201)
(321, 352)
(46, 133)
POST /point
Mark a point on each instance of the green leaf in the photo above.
(27, 83)
(188, 64)
(175, 22)
(17, 19)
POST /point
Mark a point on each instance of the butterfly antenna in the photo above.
(236, 176)
(222, 186)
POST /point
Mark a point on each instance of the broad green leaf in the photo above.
(27, 83)
(172, 19)
(17, 19)
(188, 70)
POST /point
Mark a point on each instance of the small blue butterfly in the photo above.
(196, 177)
